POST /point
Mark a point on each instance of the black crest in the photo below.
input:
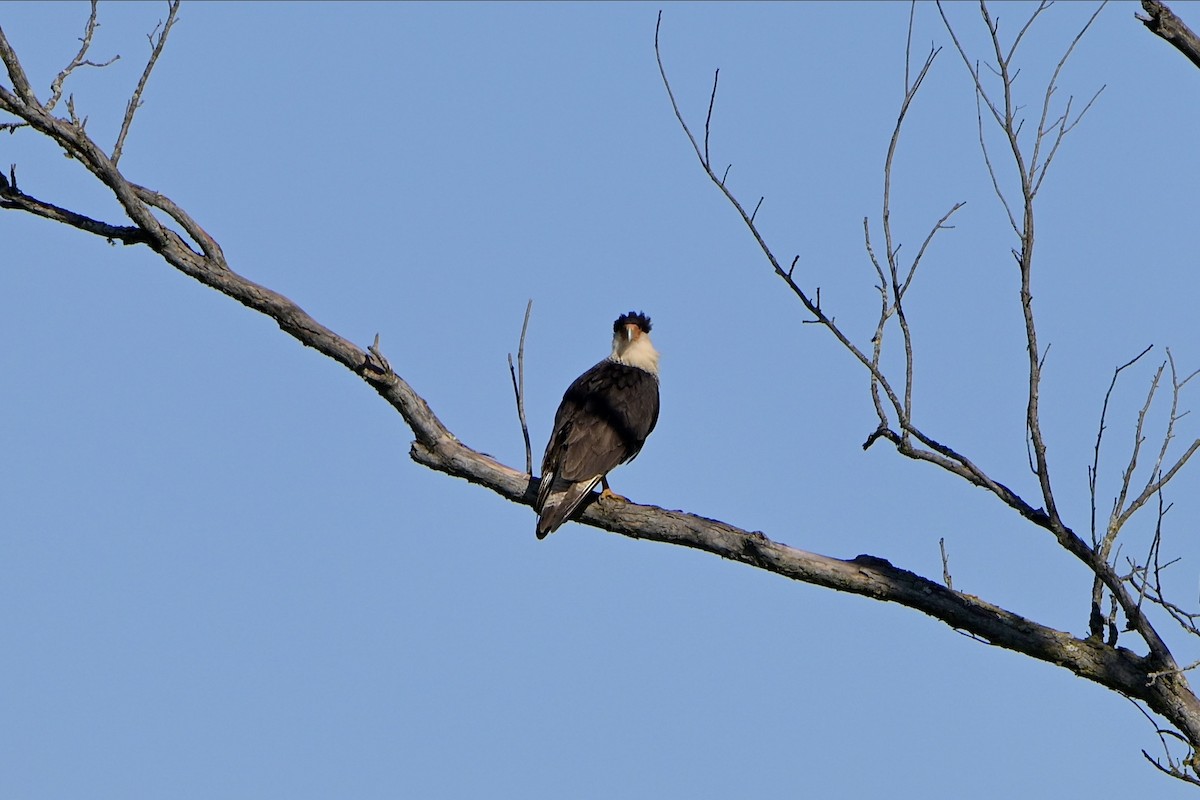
(634, 317)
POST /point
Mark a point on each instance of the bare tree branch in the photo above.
(1163, 22)
(942, 454)
(1139, 439)
(908, 439)
(208, 245)
(1010, 128)
(16, 74)
(1147, 579)
(945, 564)
(1063, 123)
(13, 198)
(1096, 624)
(158, 40)
(1005, 117)
(1025, 262)
(1158, 478)
(80, 60)
(937, 453)
(518, 381)
(897, 293)
(987, 160)
(1173, 769)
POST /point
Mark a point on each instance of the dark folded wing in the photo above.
(603, 420)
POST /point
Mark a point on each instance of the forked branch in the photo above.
(894, 279)
(80, 59)
(911, 442)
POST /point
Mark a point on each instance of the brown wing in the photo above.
(603, 420)
(612, 409)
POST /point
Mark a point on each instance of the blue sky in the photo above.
(223, 577)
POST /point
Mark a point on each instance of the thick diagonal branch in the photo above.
(1163, 22)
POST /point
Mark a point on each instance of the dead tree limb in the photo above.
(1032, 160)
(1162, 21)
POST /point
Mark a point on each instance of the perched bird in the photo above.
(603, 420)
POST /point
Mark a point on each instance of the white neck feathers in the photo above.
(638, 353)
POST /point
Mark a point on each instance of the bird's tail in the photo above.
(560, 503)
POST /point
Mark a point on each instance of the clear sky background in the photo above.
(222, 576)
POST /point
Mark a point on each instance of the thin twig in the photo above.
(518, 383)
(1094, 470)
(910, 92)
(973, 70)
(1173, 770)
(1173, 416)
(940, 225)
(1103, 545)
(1012, 51)
(885, 312)
(937, 453)
(987, 161)
(16, 74)
(812, 307)
(158, 39)
(1063, 128)
(945, 564)
(912, 15)
(712, 99)
(56, 88)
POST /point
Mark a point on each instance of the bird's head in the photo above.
(631, 342)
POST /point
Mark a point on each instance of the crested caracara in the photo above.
(603, 420)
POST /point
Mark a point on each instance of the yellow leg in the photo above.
(609, 494)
